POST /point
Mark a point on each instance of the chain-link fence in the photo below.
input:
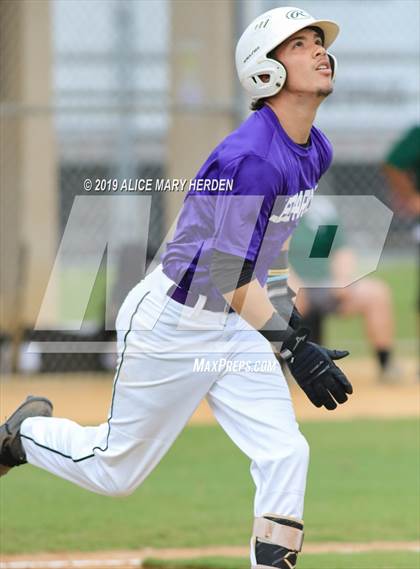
(106, 110)
(106, 115)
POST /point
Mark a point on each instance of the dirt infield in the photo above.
(129, 559)
(85, 398)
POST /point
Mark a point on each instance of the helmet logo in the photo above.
(297, 15)
(261, 24)
(251, 54)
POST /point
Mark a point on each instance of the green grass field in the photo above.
(363, 486)
(341, 561)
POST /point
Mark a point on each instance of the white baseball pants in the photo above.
(170, 358)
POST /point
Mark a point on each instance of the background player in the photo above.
(209, 297)
(402, 168)
(369, 298)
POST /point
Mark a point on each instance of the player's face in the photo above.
(307, 64)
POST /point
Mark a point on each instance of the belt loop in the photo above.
(199, 304)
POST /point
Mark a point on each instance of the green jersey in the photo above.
(405, 154)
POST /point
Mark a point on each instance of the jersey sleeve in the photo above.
(406, 152)
(241, 216)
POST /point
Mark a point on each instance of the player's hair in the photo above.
(258, 104)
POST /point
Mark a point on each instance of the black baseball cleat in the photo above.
(11, 449)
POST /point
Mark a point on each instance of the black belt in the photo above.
(189, 298)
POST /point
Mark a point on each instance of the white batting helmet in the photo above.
(263, 35)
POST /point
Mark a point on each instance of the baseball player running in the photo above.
(209, 300)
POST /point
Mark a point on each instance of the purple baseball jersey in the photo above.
(245, 200)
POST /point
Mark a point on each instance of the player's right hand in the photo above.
(314, 370)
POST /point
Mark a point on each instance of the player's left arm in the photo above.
(232, 271)
(234, 278)
(281, 295)
(311, 365)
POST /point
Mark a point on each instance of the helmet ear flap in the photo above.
(277, 77)
(333, 63)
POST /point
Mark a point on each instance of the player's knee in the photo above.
(375, 290)
(297, 452)
(301, 449)
(294, 451)
(383, 291)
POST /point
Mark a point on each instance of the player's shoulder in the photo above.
(250, 143)
(320, 138)
(323, 147)
(244, 157)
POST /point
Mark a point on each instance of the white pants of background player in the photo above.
(156, 390)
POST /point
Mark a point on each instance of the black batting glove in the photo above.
(314, 370)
